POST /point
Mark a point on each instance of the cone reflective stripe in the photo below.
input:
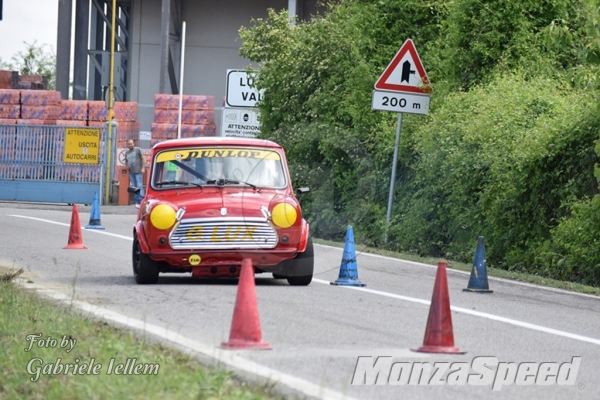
(478, 281)
(245, 326)
(95, 215)
(348, 269)
(75, 238)
(439, 335)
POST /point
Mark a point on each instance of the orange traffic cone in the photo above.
(75, 239)
(245, 327)
(439, 337)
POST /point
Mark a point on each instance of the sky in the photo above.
(26, 21)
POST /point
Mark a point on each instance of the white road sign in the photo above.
(400, 102)
(242, 122)
(240, 92)
(145, 135)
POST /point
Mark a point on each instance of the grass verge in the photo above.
(495, 272)
(164, 373)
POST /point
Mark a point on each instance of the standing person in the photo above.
(134, 159)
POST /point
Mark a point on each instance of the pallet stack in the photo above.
(10, 106)
(45, 107)
(9, 79)
(128, 126)
(32, 107)
(197, 117)
(93, 113)
(20, 154)
(12, 80)
(39, 107)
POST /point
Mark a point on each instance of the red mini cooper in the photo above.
(212, 202)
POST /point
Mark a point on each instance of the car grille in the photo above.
(223, 233)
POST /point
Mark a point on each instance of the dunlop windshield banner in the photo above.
(203, 152)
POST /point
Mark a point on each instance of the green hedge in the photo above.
(503, 161)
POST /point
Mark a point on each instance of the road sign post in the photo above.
(394, 163)
(403, 87)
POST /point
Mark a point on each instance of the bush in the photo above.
(500, 161)
(573, 252)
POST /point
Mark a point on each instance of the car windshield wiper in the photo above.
(223, 182)
(178, 183)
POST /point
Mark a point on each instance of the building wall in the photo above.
(212, 47)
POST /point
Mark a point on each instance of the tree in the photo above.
(35, 60)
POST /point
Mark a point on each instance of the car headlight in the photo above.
(163, 216)
(284, 215)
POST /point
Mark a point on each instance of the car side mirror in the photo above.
(302, 190)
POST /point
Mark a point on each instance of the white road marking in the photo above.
(228, 357)
(456, 271)
(83, 228)
(474, 313)
(492, 317)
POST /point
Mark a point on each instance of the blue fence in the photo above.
(32, 167)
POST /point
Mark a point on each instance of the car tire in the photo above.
(145, 270)
(303, 266)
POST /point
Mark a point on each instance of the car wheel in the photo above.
(145, 270)
(303, 266)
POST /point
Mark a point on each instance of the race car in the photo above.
(212, 202)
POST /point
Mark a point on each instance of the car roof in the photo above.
(215, 141)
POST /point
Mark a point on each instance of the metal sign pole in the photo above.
(394, 163)
(100, 194)
(111, 112)
(181, 80)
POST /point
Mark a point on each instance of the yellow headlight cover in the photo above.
(162, 216)
(284, 215)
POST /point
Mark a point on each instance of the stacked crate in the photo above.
(97, 113)
(197, 117)
(73, 113)
(128, 126)
(45, 107)
(93, 113)
(34, 82)
(12, 80)
(39, 107)
(9, 79)
(10, 106)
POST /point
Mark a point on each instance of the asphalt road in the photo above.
(318, 333)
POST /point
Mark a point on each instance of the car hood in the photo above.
(226, 202)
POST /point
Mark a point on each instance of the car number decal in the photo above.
(231, 233)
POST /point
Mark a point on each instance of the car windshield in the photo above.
(218, 166)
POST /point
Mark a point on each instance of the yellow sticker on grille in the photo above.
(195, 259)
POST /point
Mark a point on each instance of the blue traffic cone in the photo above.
(478, 282)
(348, 270)
(95, 215)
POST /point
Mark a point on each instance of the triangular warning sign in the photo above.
(405, 73)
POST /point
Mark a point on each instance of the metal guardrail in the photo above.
(36, 152)
(32, 166)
